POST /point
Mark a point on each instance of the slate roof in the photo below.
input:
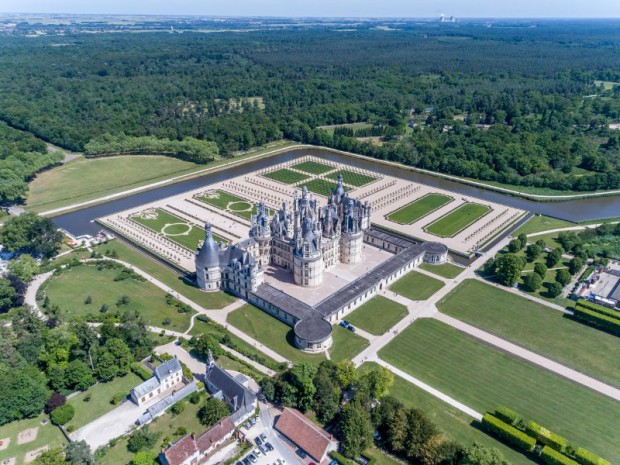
(279, 299)
(314, 329)
(314, 440)
(231, 390)
(147, 386)
(157, 408)
(166, 368)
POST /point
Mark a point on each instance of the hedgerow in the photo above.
(545, 436)
(553, 457)
(603, 321)
(598, 309)
(507, 415)
(585, 457)
(507, 432)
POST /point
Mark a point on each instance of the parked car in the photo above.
(344, 324)
(263, 436)
(301, 453)
(269, 446)
(252, 458)
(333, 462)
(256, 452)
(258, 441)
(247, 461)
(351, 328)
(263, 449)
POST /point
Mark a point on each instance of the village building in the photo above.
(166, 376)
(305, 434)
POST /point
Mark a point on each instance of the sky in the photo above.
(327, 8)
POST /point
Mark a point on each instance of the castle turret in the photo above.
(308, 262)
(261, 233)
(208, 270)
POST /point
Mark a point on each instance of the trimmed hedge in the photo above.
(507, 432)
(598, 309)
(548, 438)
(585, 457)
(603, 321)
(553, 457)
(62, 414)
(341, 459)
(507, 415)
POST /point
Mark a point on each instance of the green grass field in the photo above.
(320, 186)
(330, 127)
(70, 289)
(377, 315)
(535, 327)
(455, 424)
(417, 209)
(100, 396)
(208, 300)
(483, 378)
(457, 220)
(47, 435)
(176, 229)
(271, 332)
(346, 344)
(416, 286)
(445, 270)
(352, 178)
(540, 223)
(286, 176)
(313, 167)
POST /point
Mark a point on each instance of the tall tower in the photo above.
(307, 258)
(261, 233)
(208, 271)
(352, 239)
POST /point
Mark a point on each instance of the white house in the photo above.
(166, 376)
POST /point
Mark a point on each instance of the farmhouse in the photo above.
(303, 433)
(166, 376)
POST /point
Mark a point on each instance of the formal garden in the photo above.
(457, 220)
(313, 167)
(230, 203)
(286, 176)
(352, 178)
(419, 208)
(319, 186)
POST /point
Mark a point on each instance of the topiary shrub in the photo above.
(507, 415)
(553, 457)
(508, 433)
(585, 457)
(62, 415)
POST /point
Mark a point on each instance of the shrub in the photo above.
(70, 429)
(545, 436)
(194, 398)
(141, 371)
(507, 415)
(86, 398)
(553, 457)
(118, 398)
(56, 400)
(508, 433)
(62, 414)
(603, 321)
(598, 309)
(142, 439)
(540, 269)
(177, 408)
(166, 321)
(341, 459)
(585, 457)
(180, 431)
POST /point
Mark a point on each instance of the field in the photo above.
(100, 396)
(286, 176)
(48, 434)
(417, 209)
(483, 378)
(172, 227)
(271, 332)
(70, 290)
(445, 270)
(320, 186)
(416, 286)
(540, 223)
(535, 327)
(346, 344)
(330, 128)
(352, 178)
(313, 167)
(366, 316)
(457, 220)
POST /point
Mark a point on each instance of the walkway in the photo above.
(570, 228)
(30, 298)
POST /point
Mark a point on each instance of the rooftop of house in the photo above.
(311, 438)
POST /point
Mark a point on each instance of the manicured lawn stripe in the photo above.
(313, 167)
(346, 344)
(419, 208)
(416, 286)
(320, 186)
(457, 220)
(377, 315)
(537, 328)
(352, 178)
(483, 378)
(286, 176)
(445, 270)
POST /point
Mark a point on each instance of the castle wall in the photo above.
(308, 272)
(351, 246)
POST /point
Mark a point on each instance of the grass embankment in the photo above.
(420, 208)
(483, 378)
(100, 396)
(70, 290)
(541, 223)
(445, 270)
(47, 435)
(377, 315)
(208, 300)
(457, 220)
(416, 286)
(535, 327)
(455, 424)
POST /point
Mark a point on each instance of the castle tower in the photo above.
(208, 270)
(308, 261)
(260, 231)
(352, 239)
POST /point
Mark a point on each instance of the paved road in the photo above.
(30, 298)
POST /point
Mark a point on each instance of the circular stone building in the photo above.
(313, 334)
(435, 253)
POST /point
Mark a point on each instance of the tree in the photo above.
(420, 429)
(23, 396)
(522, 240)
(327, 395)
(554, 257)
(56, 400)
(54, 456)
(142, 439)
(205, 342)
(356, 431)
(25, 267)
(508, 269)
(63, 414)
(554, 290)
(302, 378)
(269, 388)
(115, 359)
(79, 375)
(540, 269)
(514, 246)
(438, 451)
(143, 458)
(32, 234)
(481, 455)
(575, 265)
(532, 282)
(78, 453)
(213, 411)
(346, 373)
(532, 252)
(380, 380)
(7, 295)
(563, 277)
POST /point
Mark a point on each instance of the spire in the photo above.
(210, 359)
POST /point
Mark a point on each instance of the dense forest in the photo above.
(518, 105)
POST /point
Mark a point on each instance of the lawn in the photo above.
(100, 396)
(320, 186)
(330, 127)
(457, 220)
(286, 176)
(229, 202)
(48, 434)
(419, 208)
(483, 378)
(540, 223)
(271, 332)
(71, 288)
(352, 178)
(346, 344)
(455, 424)
(445, 270)
(313, 167)
(377, 315)
(535, 327)
(172, 227)
(416, 286)
(208, 300)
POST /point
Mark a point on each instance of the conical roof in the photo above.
(209, 253)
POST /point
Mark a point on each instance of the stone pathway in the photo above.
(30, 298)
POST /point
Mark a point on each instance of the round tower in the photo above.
(307, 259)
(208, 271)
